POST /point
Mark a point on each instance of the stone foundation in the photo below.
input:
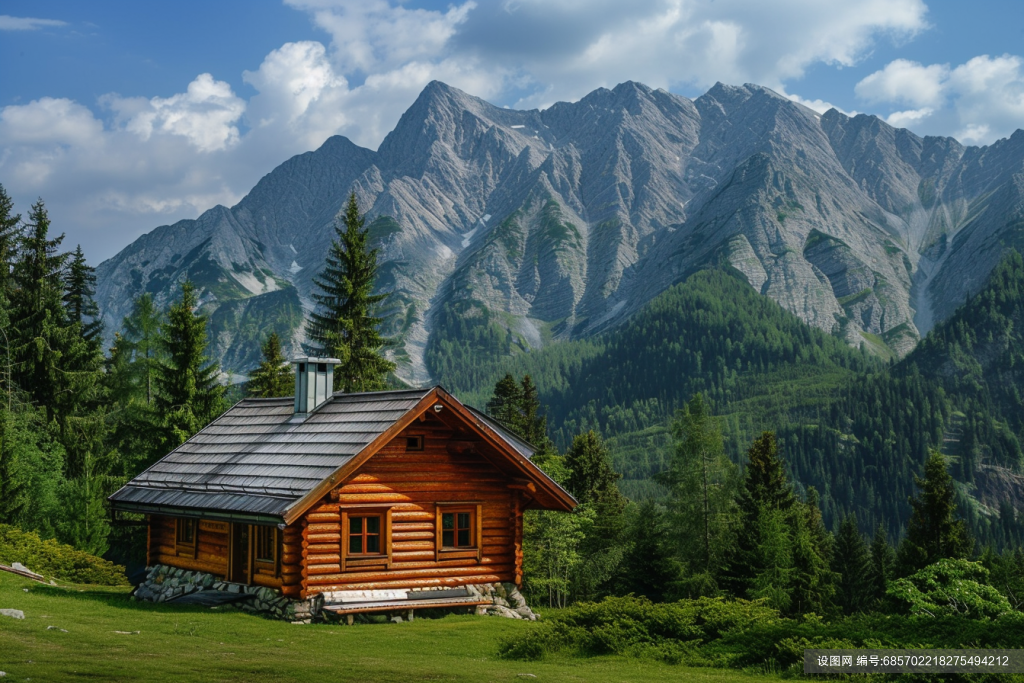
(165, 583)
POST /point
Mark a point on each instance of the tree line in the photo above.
(727, 531)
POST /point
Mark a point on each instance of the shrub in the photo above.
(949, 588)
(56, 560)
(637, 627)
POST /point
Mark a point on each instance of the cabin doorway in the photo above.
(239, 571)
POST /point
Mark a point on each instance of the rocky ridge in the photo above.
(557, 224)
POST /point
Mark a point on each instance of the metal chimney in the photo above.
(314, 382)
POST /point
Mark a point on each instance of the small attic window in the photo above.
(414, 443)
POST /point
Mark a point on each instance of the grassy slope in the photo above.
(197, 644)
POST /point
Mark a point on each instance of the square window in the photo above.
(414, 443)
(458, 529)
(364, 535)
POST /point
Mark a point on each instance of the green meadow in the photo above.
(109, 637)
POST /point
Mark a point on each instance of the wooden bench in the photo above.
(350, 603)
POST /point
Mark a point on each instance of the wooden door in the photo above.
(240, 553)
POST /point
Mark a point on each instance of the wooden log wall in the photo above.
(210, 556)
(411, 483)
(213, 552)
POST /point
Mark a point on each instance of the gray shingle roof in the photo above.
(259, 457)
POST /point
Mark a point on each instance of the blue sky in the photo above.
(127, 115)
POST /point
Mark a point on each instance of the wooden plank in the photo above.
(404, 605)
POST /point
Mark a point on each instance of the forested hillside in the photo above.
(853, 428)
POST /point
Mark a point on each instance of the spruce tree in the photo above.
(188, 396)
(142, 346)
(852, 564)
(345, 324)
(702, 485)
(592, 481)
(761, 559)
(37, 311)
(9, 234)
(504, 404)
(934, 531)
(648, 567)
(813, 585)
(273, 377)
(883, 563)
(80, 286)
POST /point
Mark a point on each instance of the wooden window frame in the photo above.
(351, 561)
(476, 509)
(186, 548)
(415, 442)
(261, 529)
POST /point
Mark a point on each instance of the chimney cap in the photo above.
(313, 359)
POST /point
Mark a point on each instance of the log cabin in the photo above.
(332, 493)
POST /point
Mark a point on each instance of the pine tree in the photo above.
(504, 404)
(702, 484)
(534, 423)
(592, 480)
(883, 563)
(188, 395)
(761, 563)
(9, 234)
(852, 564)
(273, 377)
(142, 345)
(346, 324)
(648, 567)
(813, 585)
(37, 312)
(591, 475)
(80, 286)
(934, 530)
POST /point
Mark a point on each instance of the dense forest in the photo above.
(849, 425)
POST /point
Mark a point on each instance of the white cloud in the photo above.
(905, 82)
(976, 102)
(9, 23)
(205, 114)
(134, 162)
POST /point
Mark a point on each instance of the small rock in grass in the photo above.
(13, 613)
(55, 628)
(25, 589)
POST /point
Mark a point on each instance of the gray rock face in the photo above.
(560, 223)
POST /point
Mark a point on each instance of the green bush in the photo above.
(738, 633)
(673, 632)
(949, 588)
(56, 560)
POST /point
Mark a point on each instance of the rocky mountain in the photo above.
(504, 229)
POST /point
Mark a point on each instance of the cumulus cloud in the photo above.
(977, 102)
(9, 23)
(130, 163)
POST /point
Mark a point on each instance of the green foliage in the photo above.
(188, 396)
(673, 632)
(274, 376)
(56, 560)
(852, 565)
(702, 486)
(346, 324)
(934, 532)
(949, 588)
(648, 567)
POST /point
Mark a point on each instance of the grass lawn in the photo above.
(198, 644)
